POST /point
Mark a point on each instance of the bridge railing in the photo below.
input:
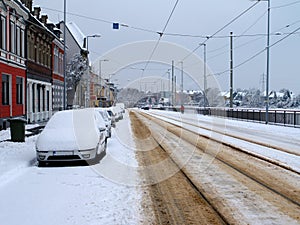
(284, 117)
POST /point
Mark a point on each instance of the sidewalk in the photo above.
(14, 156)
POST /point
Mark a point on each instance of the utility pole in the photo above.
(181, 98)
(268, 65)
(65, 58)
(172, 95)
(231, 69)
(204, 76)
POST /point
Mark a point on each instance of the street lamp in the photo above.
(65, 63)
(86, 40)
(100, 67)
(86, 44)
(268, 65)
(204, 73)
(268, 61)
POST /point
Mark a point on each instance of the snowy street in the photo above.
(156, 171)
(66, 195)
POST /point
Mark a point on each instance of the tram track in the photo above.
(255, 173)
(223, 131)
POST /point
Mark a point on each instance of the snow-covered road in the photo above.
(96, 194)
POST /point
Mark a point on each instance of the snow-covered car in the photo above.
(112, 115)
(72, 135)
(118, 113)
(121, 106)
(106, 119)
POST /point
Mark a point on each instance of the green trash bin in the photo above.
(17, 129)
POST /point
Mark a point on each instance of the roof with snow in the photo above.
(76, 32)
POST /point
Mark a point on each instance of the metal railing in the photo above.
(284, 117)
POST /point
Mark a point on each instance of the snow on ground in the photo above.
(69, 195)
(106, 193)
(288, 137)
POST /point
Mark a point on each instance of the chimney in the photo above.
(36, 12)
(28, 4)
(44, 19)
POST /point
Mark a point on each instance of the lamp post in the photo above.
(86, 42)
(100, 68)
(204, 73)
(65, 63)
(268, 60)
(181, 85)
(268, 64)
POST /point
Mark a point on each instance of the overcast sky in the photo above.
(196, 18)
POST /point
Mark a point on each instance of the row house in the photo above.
(39, 68)
(31, 63)
(75, 48)
(12, 59)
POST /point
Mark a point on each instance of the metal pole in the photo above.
(64, 65)
(87, 100)
(231, 69)
(169, 80)
(172, 83)
(181, 99)
(204, 75)
(268, 65)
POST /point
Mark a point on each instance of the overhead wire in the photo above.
(103, 21)
(258, 53)
(160, 36)
(285, 5)
(222, 28)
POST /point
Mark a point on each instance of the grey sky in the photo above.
(196, 17)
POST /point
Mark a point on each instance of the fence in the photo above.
(284, 117)
(276, 116)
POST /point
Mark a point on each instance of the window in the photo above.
(5, 90)
(33, 98)
(18, 39)
(43, 98)
(56, 60)
(39, 97)
(12, 37)
(3, 33)
(19, 90)
(48, 100)
(22, 43)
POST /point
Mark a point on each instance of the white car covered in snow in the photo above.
(72, 135)
(106, 119)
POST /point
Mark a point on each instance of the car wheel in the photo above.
(100, 155)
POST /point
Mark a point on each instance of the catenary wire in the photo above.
(258, 53)
(160, 36)
(222, 28)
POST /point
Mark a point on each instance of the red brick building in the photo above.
(13, 17)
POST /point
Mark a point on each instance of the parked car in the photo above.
(121, 106)
(104, 114)
(72, 135)
(113, 115)
(118, 113)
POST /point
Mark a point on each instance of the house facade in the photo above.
(32, 81)
(39, 69)
(13, 17)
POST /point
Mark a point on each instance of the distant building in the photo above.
(75, 46)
